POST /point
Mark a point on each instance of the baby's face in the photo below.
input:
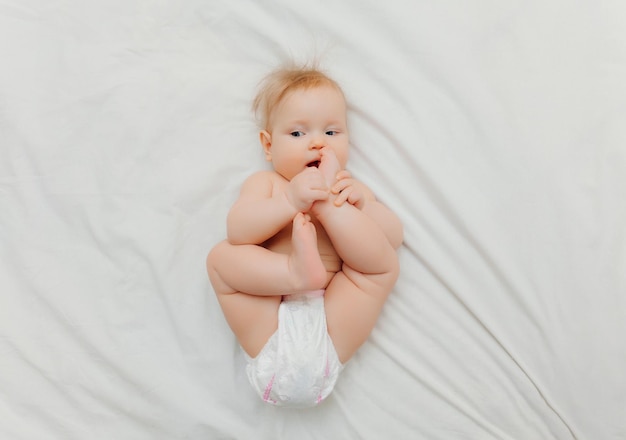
(302, 124)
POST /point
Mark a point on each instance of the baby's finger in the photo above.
(343, 196)
(356, 199)
(341, 185)
(343, 174)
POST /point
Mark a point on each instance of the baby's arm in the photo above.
(262, 210)
(259, 213)
(358, 194)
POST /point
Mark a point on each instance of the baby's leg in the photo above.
(249, 281)
(355, 296)
(353, 301)
(359, 240)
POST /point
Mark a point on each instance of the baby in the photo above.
(311, 255)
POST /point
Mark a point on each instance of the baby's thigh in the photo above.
(353, 303)
(253, 319)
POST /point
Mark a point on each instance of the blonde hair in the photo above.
(279, 83)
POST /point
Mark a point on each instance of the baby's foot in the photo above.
(305, 263)
(329, 166)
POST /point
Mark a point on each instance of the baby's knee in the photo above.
(394, 270)
(213, 259)
(216, 253)
(389, 272)
(380, 283)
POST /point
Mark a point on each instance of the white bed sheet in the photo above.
(495, 129)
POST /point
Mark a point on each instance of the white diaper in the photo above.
(298, 366)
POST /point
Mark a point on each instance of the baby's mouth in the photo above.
(315, 163)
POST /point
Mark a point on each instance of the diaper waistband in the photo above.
(303, 295)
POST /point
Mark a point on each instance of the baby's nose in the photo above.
(317, 143)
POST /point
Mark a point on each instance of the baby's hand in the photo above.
(346, 190)
(306, 188)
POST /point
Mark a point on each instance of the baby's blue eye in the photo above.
(331, 133)
(296, 133)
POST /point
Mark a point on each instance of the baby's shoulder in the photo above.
(260, 177)
(261, 181)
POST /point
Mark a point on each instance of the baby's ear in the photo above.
(266, 142)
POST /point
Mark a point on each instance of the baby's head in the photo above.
(301, 112)
(283, 81)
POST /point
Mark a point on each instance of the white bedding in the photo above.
(495, 129)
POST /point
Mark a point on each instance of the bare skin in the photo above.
(299, 259)
(317, 228)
